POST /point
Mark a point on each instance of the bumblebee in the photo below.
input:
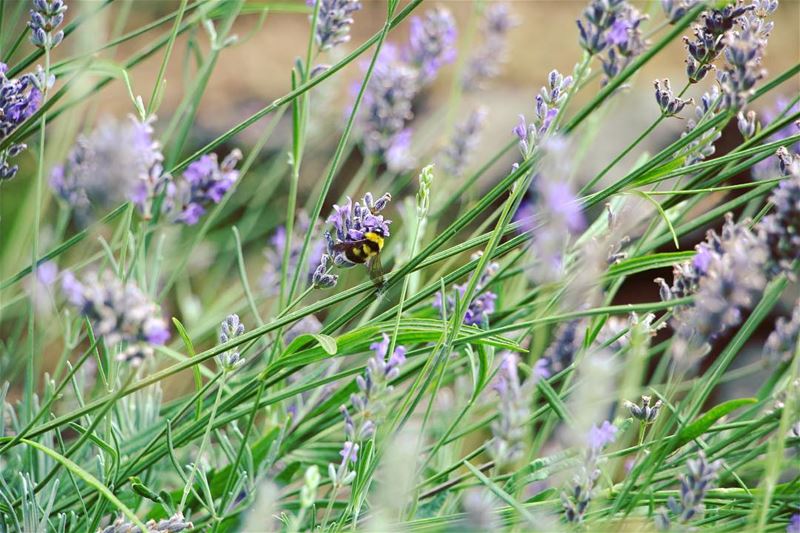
(366, 251)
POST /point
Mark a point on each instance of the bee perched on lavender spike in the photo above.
(360, 235)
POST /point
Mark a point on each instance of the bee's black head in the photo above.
(378, 231)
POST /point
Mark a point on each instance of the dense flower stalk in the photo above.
(729, 274)
(173, 524)
(119, 312)
(508, 429)
(611, 27)
(204, 182)
(481, 306)
(576, 499)
(782, 342)
(561, 352)
(103, 167)
(333, 21)
(431, 42)
(271, 277)
(465, 139)
(780, 230)
(488, 57)
(743, 53)
(369, 403)
(46, 17)
(386, 109)
(710, 38)
(151, 180)
(20, 98)
(701, 477)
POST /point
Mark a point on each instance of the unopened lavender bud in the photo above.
(424, 192)
(645, 412)
(230, 328)
(308, 492)
(748, 123)
(669, 104)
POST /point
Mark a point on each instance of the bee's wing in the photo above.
(376, 270)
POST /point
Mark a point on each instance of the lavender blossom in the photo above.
(782, 342)
(576, 500)
(104, 167)
(119, 312)
(480, 510)
(463, 144)
(561, 352)
(481, 306)
(333, 21)
(230, 360)
(46, 16)
(669, 104)
(710, 39)
(20, 98)
(488, 58)
(744, 48)
(732, 276)
(204, 182)
(431, 43)
(780, 230)
(769, 167)
(548, 105)
(701, 477)
(173, 524)
(151, 180)
(508, 429)
(676, 9)
(350, 222)
(271, 277)
(386, 109)
(747, 123)
(612, 26)
(794, 524)
(369, 405)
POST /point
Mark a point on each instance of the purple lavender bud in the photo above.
(794, 524)
(782, 342)
(431, 42)
(333, 21)
(349, 452)
(204, 182)
(780, 230)
(230, 328)
(487, 58)
(46, 16)
(576, 499)
(747, 123)
(271, 277)
(669, 104)
(701, 477)
(646, 413)
(768, 168)
(674, 10)
(508, 429)
(120, 313)
(561, 352)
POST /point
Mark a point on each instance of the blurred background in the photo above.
(256, 70)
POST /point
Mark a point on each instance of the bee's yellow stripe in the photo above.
(374, 237)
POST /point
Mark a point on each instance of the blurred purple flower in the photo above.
(602, 435)
(462, 145)
(431, 42)
(271, 277)
(794, 524)
(488, 57)
(205, 182)
(20, 98)
(508, 429)
(481, 306)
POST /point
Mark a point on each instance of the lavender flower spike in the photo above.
(710, 39)
(463, 143)
(103, 168)
(333, 21)
(576, 499)
(694, 486)
(20, 98)
(670, 104)
(488, 57)
(46, 16)
(173, 524)
(508, 430)
(431, 42)
(205, 182)
(120, 313)
(230, 328)
(270, 279)
(548, 105)
(386, 109)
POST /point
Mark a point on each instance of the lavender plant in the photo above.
(453, 388)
